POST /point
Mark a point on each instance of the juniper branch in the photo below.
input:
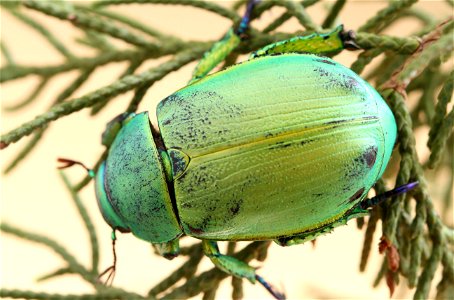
(44, 32)
(14, 72)
(364, 59)
(286, 16)
(97, 41)
(206, 280)
(87, 222)
(108, 92)
(207, 5)
(387, 43)
(72, 262)
(7, 54)
(21, 294)
(56, 273)
(83, 20)
(382, 18)
(333, 13)
(295, 9)
(40, 132)
(444, 97)
(187, 270)
(133, 66)
(29, 99)
(131, 22)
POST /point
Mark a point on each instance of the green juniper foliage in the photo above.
(415, 240)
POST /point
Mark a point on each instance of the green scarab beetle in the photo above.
(280, 147)
(267, 149)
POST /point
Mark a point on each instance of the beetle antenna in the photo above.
(246, 18)
(276, 294)
(382, 197)
(111, 270)
(66, 163)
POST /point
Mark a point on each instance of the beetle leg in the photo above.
(224, 47)
(327, 44)
(110, 271)
(227, 263)
(368, 203)
(244, 24)
(169, 250)
(114, 126)
(236, 267)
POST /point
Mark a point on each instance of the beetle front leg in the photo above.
(169, 250)
(226, 263)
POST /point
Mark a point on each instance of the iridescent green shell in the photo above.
(274, 146)
(131, 188)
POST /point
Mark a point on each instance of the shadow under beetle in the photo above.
(283, 147)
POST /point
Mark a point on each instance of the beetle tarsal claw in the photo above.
(112, 269)
(110, 278)
(244, 24)
(276, 294)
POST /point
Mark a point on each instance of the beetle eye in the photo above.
(105, 206)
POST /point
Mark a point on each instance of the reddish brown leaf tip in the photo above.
(384, 244)
(393, 258)
(390, 282)
(392, 254)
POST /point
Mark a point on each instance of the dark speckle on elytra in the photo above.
(171, 99)
(280, 145)
(370, 156)
(325, 61)
(351, 82)
(346, 82)
(304, 142)
(235, 206)
(322, 72)
(356, 195)
(234, 210)
(336, 122)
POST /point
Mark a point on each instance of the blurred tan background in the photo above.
(34, 198)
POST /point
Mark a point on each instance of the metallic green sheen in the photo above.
(136, 185)
(107, 211)
(277, 146)
(326, 44)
